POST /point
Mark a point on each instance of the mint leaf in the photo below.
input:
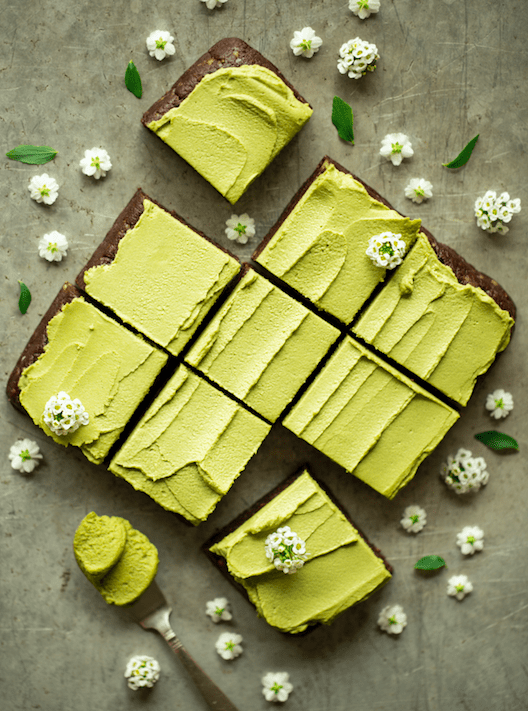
(343, 119)
(24, 299)
(497, 440)
(430, 562)
(464, 155)
(35, 155)
(133, 80)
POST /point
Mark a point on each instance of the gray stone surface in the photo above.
(448, 70)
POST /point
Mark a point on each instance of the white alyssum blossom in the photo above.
(364, 8)
(160, 44)
(53, 246)
(142, 671)
(414, 519)
(44, 189)
(64, 415)
(285, 550)
(95, 163)
(386, 250)
(228, 645)
(464, 473)
(24, 455)
(218, 609)
(470, 539)
(276, 686)
(500, 404)
(459, 586)
(357, 57)
(211, 4)
(395, 147)
(240, 228)
(494, 212)
(305, 42)
(392, 619)
(418, 190)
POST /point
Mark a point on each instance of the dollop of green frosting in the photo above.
(232, 125)
(320, 248)
(341, 568)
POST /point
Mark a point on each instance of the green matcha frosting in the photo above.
(369, 418)
(232, 125)
(98, 544)
(340, 570)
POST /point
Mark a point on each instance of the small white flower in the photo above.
(228, 645)
(305, 42)
(396, 147)
(459, 586)
(500, 404)
(211, 4)
(240, 228)
(64, 415)
(142, 671)
(24, 455)
(44, 189)
(392, 619)
(364, 8)
(53, 246)
(414, 519)
(159, 44)
(218, 609)
(418, 190)
(276, 686)
(386, 250)
(464, 473)
(95, 162)
(356, 58)
(494, 212)
(470, 539)
(285, 550)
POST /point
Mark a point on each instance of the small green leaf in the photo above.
(133, 80)
(35, 155)
(24, 299)
(430, 562)
(497, 440)
(343, 119)
(464, 155)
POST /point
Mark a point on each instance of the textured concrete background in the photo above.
(448, 70)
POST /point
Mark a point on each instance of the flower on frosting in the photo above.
(357, 57)
(386, 250)
(53, 246)
(418, 190)
(211, 4)
(464, 473)
(64, 415)
(44, 189)
(285, 550)
(470, 539)
(414, 519)
(142, 671)
(494, 212)
(459, 586)
(364, 8)
(396, 147)
(240, 228)
(305, 42)
(24, 455)
(95, 162)
(159, 44)
(500, 403)
(276, 686)
(392, 619)
(218, 609)
(228, 645)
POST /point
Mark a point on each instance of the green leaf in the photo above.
(133, 80)
(35, 155)
(343, 119)
(497, 440)
(430, 562)
(24, 299)
(464, 155)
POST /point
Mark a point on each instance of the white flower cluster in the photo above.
(211, 4)
(395, 147)
(142, 671)
(500, 404)
(160, 44)
(418, 190)
(386, 250)
(240, 228)
(44, 189)
(305, 42)
(276, 686)
(494, 212)
(285, 550)
(459, 586)
(364, 8)
(228, 645)
(24, 455)
(470, 539)
(53, 246)
(414, 519)
(357, 57)
(64, 415)
(392, 619)
(95, 163)
(464, 473)
(218, 609)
